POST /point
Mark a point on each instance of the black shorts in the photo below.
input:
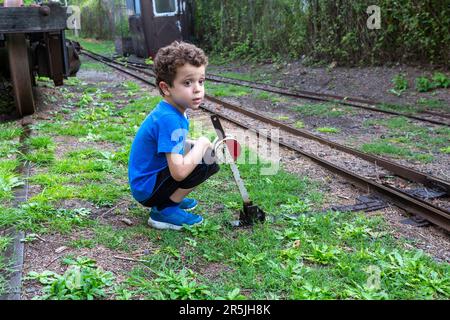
(165, 185)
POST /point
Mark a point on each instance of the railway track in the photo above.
(415, 205)
(426, 115)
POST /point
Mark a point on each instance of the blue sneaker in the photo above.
(172, 218)
(188, 204)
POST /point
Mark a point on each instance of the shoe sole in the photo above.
(190, 209)
(166, 226)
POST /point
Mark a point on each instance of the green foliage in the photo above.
(148, 61)
(423, 84)
(328, 130)
(249, 259)
(295, 206)
(83, 280)
(181, 285)
(323, 254)
(445, 150)
(40, 142)
(383, 147)
(41, 157)
(170, 284)
(8, 178)
(93, 65)
(207, 228)
(4, 243)
(84, 101)
(72, 81)
(224, 90)
(440, 80)
(400, 84)
(234, 294)
(299, 124)
(310, 292)
(8, 181)
(324, 30)
(9, 131)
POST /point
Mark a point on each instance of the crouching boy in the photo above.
(162, 171)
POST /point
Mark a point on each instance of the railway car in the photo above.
(156, 23)
(32, 43)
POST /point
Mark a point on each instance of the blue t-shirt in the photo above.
(164, 130)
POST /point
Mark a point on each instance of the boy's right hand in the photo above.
(205, 142)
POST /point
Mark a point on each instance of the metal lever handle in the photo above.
(218, 126)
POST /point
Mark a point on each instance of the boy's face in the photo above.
(188, 88)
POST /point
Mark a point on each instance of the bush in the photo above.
(440, 80)
(423, 84)
(411, 31)
(82, 281)
(400, 84)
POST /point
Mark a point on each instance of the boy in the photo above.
(160, 172)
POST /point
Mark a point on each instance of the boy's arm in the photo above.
(181, 166)
(190, 141)
(188, 144)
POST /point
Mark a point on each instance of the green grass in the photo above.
(238, 76)
(328, 130)
(92, 65)
(407, 139)
(9, 131)
(406, 109)
(41, 142)
(8, 179)
(264, 95)
(40, 157)
(270, 96)
(382, 147)
(322, 110)
(422, 104)
(434, 104)
(103, 47)
(224, 90)
(82, 280)
(400, 84)
(5, 241)
(445, 150)
(299, 124)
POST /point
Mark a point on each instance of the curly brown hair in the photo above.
(175, 55)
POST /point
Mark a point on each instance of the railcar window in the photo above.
(133, 7)
(137, 6)
(164, 7)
